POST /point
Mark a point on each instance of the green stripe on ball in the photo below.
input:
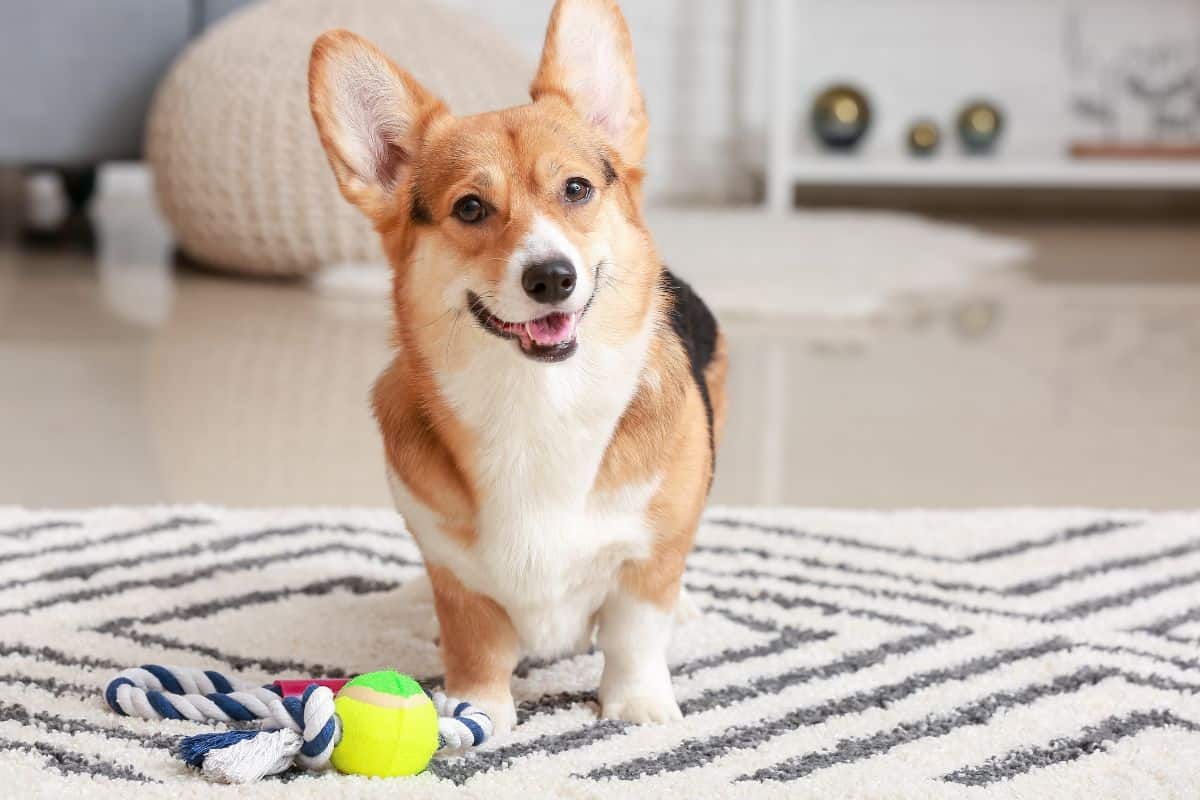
(388, 681)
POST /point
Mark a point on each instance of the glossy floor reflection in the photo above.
(123, 380)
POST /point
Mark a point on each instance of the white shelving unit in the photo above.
(788, 166)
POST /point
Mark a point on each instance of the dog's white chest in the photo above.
(550, 565)
(548, 547)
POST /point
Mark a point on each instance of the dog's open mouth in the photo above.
(548, 338)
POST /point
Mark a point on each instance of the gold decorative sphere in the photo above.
(924, 137)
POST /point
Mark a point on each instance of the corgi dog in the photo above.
(556, 395)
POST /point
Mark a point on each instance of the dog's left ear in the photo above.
(370, 115)
(588, 61)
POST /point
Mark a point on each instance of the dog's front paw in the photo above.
(647, 708)
(502, 710)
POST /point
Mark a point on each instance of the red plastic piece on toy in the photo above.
(296, 687)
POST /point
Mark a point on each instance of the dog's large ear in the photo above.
(370, 114)
(588, 61)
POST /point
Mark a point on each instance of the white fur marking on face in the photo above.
(545, 240)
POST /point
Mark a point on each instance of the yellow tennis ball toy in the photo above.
(389, 726)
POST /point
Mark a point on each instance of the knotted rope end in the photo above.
(241, 756)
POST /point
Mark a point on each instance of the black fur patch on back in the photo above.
(696, 328)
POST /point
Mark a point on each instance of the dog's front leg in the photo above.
(636, 683)
(479, 647)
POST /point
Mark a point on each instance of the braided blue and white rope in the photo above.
(157, 692)
(460, 724)
(301, 730)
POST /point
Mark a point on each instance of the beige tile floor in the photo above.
(126, 381)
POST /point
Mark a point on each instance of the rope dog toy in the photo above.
(381, 724)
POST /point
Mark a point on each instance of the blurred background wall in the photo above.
(1059, 70)
(704, 68)
(880, 357)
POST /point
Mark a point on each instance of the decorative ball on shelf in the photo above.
(980, 124)
(924, 137)
(841, 116)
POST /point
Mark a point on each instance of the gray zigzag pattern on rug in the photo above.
(884, 609)
(1093, 739)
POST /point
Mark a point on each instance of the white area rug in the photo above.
(1012, 654)
(813, 263)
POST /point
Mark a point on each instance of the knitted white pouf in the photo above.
(239, 171)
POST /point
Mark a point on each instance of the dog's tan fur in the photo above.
(407, 182)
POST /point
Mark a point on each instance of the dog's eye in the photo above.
(577, 190)
(470, 209)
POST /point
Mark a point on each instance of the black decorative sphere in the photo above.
(924, 137)
(841, 117)
(980, 124)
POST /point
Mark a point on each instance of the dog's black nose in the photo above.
(549, 281)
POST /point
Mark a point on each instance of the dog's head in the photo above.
(523, 224)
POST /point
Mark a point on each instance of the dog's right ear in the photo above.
(371, 116)
(588, 61)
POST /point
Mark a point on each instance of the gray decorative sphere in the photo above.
(980, 125)
(841, 116)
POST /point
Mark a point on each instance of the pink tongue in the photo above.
(551, 329)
